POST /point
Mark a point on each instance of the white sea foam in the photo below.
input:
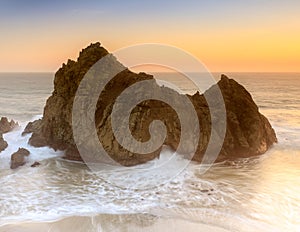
(15, 141)
(260, 193)
(228, 196)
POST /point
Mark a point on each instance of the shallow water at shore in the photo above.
(261, 193)
(117, 223)
(257, 193)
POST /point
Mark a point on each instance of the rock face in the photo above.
(3, 143)
(32, 127)
(6, 126)
(248, 132)
(18, 158)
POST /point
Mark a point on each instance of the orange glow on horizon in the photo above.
(274, 50)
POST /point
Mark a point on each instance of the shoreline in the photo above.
(110, 222)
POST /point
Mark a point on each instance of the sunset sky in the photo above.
(226, 35)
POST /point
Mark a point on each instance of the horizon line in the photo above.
(3, 72)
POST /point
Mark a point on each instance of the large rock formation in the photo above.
(248, 132)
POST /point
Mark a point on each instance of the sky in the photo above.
(225, 35)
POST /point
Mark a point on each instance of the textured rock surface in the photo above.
(6, 126)
(32, 127)
(3, 143)
(18, 158)
(248, 132)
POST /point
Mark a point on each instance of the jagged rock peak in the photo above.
(6, 125)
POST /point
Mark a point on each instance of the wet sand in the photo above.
(116, 223)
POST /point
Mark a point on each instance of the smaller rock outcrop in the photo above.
(7, 126)
(3, 143)
(32, 127)
(35, 164)
(18, 158)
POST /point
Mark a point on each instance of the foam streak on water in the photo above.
(261, 193)
(253, 193)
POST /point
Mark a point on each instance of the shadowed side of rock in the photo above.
(56, 130)
(248, 132)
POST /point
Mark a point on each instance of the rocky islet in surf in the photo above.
(248, 132)
(19, 158)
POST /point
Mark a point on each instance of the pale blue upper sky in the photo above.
(30, 27)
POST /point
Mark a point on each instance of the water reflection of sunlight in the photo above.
(277, 197)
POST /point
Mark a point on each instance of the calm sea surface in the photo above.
(257, 194)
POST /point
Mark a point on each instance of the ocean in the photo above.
(255, 194)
